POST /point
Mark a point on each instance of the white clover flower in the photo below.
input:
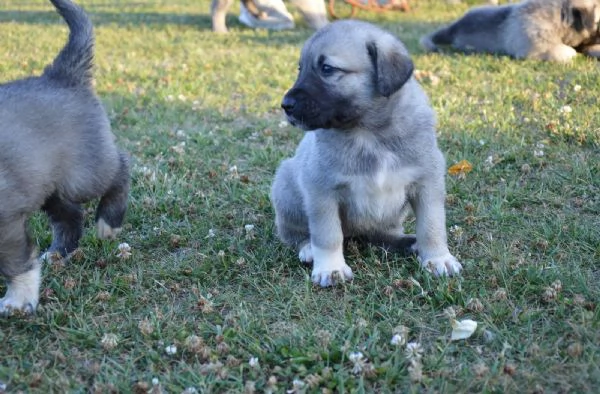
(109, 341)
(355, 356)
(539, 151)
(253, 362)
(398, 340)
(124, 250)
(577, 88)
(171, 350)
(211, 233)
(297, 387)
(249, 228)
(155, 381)
(566, 109)
(359, 362)
(414, 351)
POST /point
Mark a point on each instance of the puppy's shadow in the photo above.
(105, 14)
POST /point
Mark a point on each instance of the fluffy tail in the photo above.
(73, 65)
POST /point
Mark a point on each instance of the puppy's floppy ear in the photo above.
(392, 68)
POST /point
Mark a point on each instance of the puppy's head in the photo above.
(346, 69)
(583, 16)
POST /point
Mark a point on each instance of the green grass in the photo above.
(200, 115)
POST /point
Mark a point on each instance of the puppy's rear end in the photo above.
(58, 152)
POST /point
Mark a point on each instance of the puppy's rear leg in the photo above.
(113, 204)
(20, 268)
(66, 219)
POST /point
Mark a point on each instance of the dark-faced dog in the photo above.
(533, 29)
(368, 157)
(58, 152)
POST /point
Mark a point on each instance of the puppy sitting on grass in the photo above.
(370, 157)
(532, 29)
(57, 152)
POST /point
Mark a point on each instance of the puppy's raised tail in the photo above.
(73, 65)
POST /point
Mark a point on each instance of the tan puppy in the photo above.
(533, 29)
(370, 157)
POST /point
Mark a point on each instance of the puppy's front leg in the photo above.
(325, 249)
(432, 244)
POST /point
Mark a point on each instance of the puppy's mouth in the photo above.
(309, 115)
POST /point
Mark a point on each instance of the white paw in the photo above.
(442, 265)
(50, 257)
(105, 231)
(22, 292)
(329, 267)
(306, 255)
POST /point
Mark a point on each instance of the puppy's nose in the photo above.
(288, 104)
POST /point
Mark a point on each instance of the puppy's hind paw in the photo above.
(442, 265)
(105, 231)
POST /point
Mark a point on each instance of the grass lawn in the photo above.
(211, 301)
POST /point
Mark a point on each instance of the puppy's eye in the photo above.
(327, 70)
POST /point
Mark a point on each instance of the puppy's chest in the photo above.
(380, 194)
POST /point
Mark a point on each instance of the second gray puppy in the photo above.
(533, 29)
(57, 152)
(372, 154)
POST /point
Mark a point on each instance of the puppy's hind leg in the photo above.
(20, 267)
(66, 219)
(113, 204)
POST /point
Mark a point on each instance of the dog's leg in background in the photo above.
(432, 244)
(218, 11)
(113, 204)
(313, 11)
(66, 219)
(20, 267)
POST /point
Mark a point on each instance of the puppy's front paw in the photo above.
(442, 265)
(329, 267)
(22, 293)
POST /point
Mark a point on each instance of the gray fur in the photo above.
(58, 152)
(532, 29)
(371, 155)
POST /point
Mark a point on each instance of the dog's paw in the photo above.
(105, 231)
(22, 293)
(51, 257)
(329, 267)
(306, 255)
(442, 265)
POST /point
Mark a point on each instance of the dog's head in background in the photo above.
(583, 18)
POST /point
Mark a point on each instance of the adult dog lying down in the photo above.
(57, 152)
(532, 29)
(371, 157)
